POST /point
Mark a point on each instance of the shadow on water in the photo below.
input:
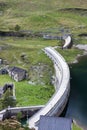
(77, 107)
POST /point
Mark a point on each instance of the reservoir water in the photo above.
(77, 107)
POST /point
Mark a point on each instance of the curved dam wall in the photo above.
(58, 101)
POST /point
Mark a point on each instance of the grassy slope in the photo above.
(29, 94)
(34, 55)
(44, 16)
(76, 127)
(40, 15)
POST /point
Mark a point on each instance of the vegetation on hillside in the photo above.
(8, 100)
(76, 127)
(12, 124)
(52, 17)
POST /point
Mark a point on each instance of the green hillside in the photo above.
(55, 17)
(42, 15)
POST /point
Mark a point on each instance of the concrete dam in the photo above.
(57, 103)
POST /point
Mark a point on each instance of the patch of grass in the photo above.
(32, 48)
(27, 94)
(71, 54)
(75, 127)
(41, 15)
(12, 49)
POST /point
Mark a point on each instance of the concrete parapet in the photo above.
(62, 84)
(15, 110)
